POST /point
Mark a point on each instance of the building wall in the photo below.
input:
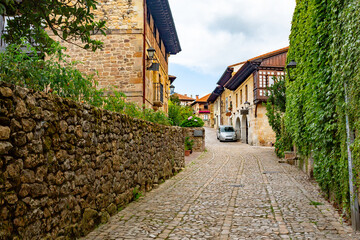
(211, 115)
(200, 106)
(162, 75)
(66, 167)
(120, 62)
(227, 96)
(262, 132)
(259, 131)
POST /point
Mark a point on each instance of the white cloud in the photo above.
(214, 34)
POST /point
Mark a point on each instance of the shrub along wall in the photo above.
(325, 43)
(66, 167)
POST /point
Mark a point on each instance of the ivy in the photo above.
(325, 43)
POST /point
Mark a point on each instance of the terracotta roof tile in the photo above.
(204, 98)
(270, 53)
(184, 98)
(262, 56)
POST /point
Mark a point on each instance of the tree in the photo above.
(71, 20)
(276, 107)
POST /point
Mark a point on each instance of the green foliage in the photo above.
(137, 194)
(69, 20)
(189, 143)
(324, 41)
(178, 113)
(192, 122)
(175, 99)
(56, 75)
(276, 107)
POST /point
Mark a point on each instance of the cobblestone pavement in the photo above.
(233, 191)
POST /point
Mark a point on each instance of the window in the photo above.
(246, 93)
(206, 117)
(237, 105)
(154, 31)
(226, 104)
(227, 129)
(206, 106)
(148, 16)
(267, 78)
(241, 97)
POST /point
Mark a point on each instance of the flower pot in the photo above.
(187, 152)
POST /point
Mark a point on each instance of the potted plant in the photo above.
(188, 146)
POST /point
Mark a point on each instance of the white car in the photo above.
(226, 133)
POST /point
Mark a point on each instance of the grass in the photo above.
(136, 193)
(315, 203)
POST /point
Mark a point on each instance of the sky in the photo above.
(214, 34)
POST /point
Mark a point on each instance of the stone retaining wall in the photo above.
(66, 167)
(199, 142)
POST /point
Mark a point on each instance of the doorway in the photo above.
(244, 130)
(238, 128)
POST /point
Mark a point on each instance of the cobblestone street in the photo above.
(233, 191)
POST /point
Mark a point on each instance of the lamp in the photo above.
(172, 89)
(151, 53)
(292, 64)
(247, 105)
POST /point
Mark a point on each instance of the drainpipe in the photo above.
(354, 201)
(144, 56)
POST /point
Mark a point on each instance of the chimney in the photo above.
(191, 95)
(197, 97)
(185, 95)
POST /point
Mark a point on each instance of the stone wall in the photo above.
(199, 142)
(66, 167)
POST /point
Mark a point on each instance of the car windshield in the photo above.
(227, 129)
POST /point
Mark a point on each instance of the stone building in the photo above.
(136, 29)
(201, 109)
(221, 98)
(185, 100)
(243, 92)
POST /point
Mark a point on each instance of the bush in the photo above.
(57, 76)
(189, 143)
(192, 122)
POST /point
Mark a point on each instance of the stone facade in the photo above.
(199, 142)
(123, 61)
(65, 167)
(255, 122)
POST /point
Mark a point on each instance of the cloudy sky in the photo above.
(216, 33)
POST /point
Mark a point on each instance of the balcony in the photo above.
(158, 95)
(260, 95)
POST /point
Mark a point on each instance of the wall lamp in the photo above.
(292, 64)
(154, 66)
(247, 105)
(172, 89)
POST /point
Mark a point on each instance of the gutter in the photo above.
(144, 55)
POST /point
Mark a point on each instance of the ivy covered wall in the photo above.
(325, 42)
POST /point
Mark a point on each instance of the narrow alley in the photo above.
(233, 191)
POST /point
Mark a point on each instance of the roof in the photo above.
(161, 12)
(183, 97)
(215, 94)
(226, 76)
(249, 67)
(172, 78)
(204, 98)
(270, 54)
